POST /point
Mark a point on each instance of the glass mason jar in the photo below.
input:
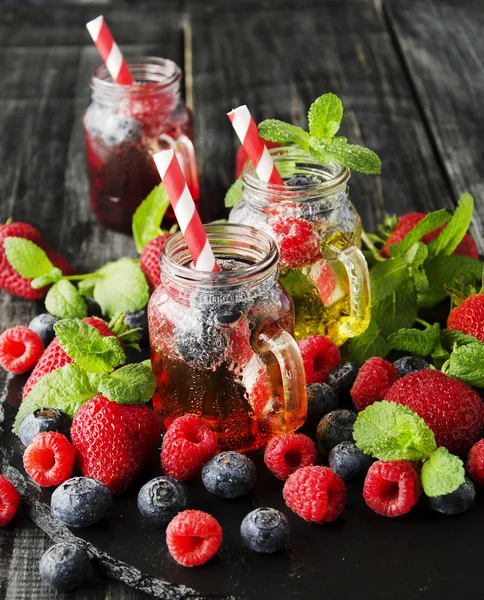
(221, 343)
(124, 126)
(318, 232)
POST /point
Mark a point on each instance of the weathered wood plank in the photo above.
(442, 46)
(252, 57)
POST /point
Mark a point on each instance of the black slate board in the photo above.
(359, 555)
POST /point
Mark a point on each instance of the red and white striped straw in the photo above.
(109, 51)
(257, 151)
(185, 210)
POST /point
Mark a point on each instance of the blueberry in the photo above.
(265, 530)
(456, 502)
(161, 499)
(43, 419)
(220, 307)
(343, 377)
(322, 399)
(93, 308)
(43, 325)
(297, 180)
(199, 344)
(65, 566)
(334, 428)
(229, 475)
(410, 364)
(349, 462)
(80, 501)
(138, 318)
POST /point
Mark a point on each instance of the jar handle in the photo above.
(359, 283)
(279, 342)
(185, 153)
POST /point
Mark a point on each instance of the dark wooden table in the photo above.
(410, 73)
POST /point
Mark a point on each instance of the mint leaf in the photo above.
(27, 258)
(369, 343)
(132, 384)
(43, 280)
(451, 236)
(148, 216)
(429, 223)
(467, 364)
(442, 473)
(234, 194)
(324, 116)
(397, 311)
(283, 133)
(391, 431)
(416, 341)
(64, 301)
(121, 287)
(87, 347)
(67, 388)
(357, 158)
(449, 337)
(86, 286)
(386, 277)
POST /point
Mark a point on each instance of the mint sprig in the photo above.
(442, 473)
(131, 384)
(65, 302)
(419, 342)
(146, 223)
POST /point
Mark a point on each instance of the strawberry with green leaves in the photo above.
(468, 317)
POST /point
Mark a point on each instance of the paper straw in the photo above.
(257, 151)
(109, 51)
(185, 210)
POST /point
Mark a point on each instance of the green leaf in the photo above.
(442, 473)
(27, 258)
(416, 254)
(43, 280)
(132, 384)
(148, 216)
(86, 286)
(467, 364)
(67, 388)
(451, 236)
(441, 272)
(355, 157)
(87, 347)
(386, 277)
(283, 133)
(391, 431)
(397, 311)
(449, 337)
(121, 287)
(416, 341)
(234, 194)
(439, 356)
(325, 115)
(370, 343)
(429, 223)
(64, 301)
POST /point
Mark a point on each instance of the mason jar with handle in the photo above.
(222, 344)
(318, 232)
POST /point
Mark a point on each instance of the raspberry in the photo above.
(20, 349)
(468, 317)
(49, 459)
(298, 242)
(451, 408)
(9, 501)
(475, 463)
(187, 445)
(373, 381)
(193, 537)
(316, 494)
(285, 454)
(392, 488)
(320, 355)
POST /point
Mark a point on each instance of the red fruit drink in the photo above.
(124, 126)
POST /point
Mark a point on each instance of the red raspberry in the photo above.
(49, 459)
(320, 355)
(468, 317)
(316, 494)
(298, 242)
(9, 501)
(187, 445)
(240, 349)
(193, 537)
(392, 488)
(373, 381)
(20, 349)
(285, 454)
(451, 408)
(150, 260)
(475, 463)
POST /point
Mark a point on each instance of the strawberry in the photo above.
(113, 441)
(150, 259)
(10, 280)
(54, 357)
(407, 222)
(468, 317)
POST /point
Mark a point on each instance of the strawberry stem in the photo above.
(371, 246)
